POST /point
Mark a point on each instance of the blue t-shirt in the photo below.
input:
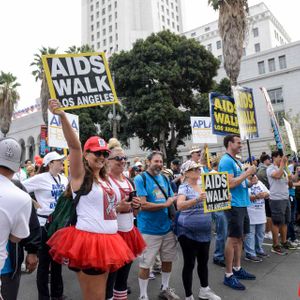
(193, 222)
(153, 222)
(240, 195)
(7, 268)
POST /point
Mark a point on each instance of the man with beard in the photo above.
(155, 225)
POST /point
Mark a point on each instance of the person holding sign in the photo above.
(237, 216)
(193, 228)
(92, 248)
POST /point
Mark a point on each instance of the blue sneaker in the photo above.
(243, 274)
(234, 283)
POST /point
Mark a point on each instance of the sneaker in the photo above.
(289, 245)
(168, 294)
(219, 262)
(277, 249)
(262, 254)
(268, 235)
(234, 283)
(151, 276)
(143, 298)
(243, 274)
(253, 258)
(207, 293)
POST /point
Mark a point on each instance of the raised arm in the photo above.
(76, 164)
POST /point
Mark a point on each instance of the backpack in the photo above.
(64, 213)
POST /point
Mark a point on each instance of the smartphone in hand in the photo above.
(131, 195)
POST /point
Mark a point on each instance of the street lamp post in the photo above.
(114, 120)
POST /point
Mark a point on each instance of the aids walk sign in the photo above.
(79, 80)
(216, 187)
(223, 114)
(202, 131)
(56, 137)
(245, 110)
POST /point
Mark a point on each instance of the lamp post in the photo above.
(114, 120)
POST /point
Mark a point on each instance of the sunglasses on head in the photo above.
(118, 158)
(105, 154)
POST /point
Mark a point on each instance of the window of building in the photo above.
(109, 7)
(209, 47)
(116, 26)
(109, 18)
(92, 7)
(164, 27)
(193, 33)
(177, 18)
(104, 42)
(220, 58)
(176, 8)
(110, 39)
(271, 63)
(104, 31)
(173, 25)
(163, 18)
(162, 8)
(257, 47)
(276, 96)
(97, 14)
(92, 18)
(117, 36)
(111, 49)
(219, 44)
(276, 34)
(255, 32)
(98, 45)
(92, 37)
(92, 27)
(116, 15)
(168, 21)
(207, 29)
(280, 114)
(116, 4)
(167, 2)
(103, 21)
(178, 28)
(172, 15)
(110, 28)
(98, 24)
(98, 35)
(103, 11)
(172, 5)
(168, 13)
(103, 1)
(282, 62)
(261, 67)
(97, 4)
(117, 47)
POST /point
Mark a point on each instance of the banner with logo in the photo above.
(274, 123)
(202, 131)
(79, 80)
(216, 187)
(245, 110)
(290, 135)
(56, 137)
(223, 114)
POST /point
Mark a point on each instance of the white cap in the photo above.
(10, 154)
(138, 164)
(52, 156)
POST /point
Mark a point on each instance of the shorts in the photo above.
(280, 211)
(267, 208)
(88, 271)
(165, 245)
(238, 221)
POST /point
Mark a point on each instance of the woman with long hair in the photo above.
(47, 186)
(127, 206)
(92, 247)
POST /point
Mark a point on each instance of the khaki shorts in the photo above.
(165, 245)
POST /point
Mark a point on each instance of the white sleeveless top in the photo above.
(125, 220)
(96, 211)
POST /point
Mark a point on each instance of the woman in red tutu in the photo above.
(117, 281)
(92, 247)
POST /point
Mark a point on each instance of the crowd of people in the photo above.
(140, 212)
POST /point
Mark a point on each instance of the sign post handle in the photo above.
(207, 157)
(66, 163)
(249, 152)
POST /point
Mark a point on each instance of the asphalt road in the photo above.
(278, 278)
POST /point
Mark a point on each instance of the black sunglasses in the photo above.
(118, 158)
(105, 154)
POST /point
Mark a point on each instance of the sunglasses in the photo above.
(195, 169)
(105, 154)
(118, 158)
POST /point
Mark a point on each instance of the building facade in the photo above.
(114, 25)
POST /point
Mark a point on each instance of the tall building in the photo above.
(114, 25)
(264, 32)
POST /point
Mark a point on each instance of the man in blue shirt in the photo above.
(155, 225)
(237, 216)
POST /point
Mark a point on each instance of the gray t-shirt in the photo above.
(278, 187)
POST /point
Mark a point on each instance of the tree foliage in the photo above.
(160, 79)
(9, 97)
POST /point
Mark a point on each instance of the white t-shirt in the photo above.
(15, 211)
(96, 211)
(125, 221)
(47, 190)
(256, 210)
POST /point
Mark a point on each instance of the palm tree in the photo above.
(233, 29)
(8, 99)
(82, 49)
(39, 74)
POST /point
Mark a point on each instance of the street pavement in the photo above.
(278, 278)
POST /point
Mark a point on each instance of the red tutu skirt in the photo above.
(134, 241)
(85, 250)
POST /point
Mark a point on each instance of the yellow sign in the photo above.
(216, 186)
(79, 80)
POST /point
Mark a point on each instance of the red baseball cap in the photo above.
(95, 143)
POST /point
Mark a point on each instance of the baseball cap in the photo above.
(189, 165)
(10, 154)
(52, 156)
(138, 164)
(195, 150)
(176, 161)
(95, 143)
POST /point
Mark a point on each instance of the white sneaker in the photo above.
(152, 276)
(207, 293)
(190, 298)
(268, 235)
(143, 298)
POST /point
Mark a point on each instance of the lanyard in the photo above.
(59, 179)
(235, 161)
